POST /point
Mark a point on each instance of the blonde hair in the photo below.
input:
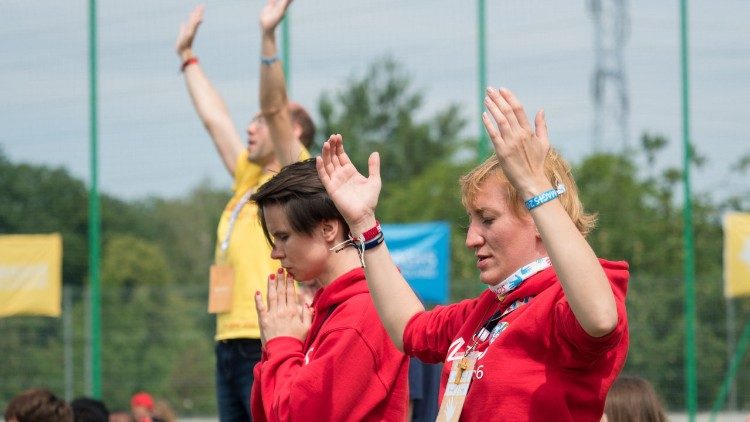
(557, 171)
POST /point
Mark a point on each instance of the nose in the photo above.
(276, 252)
(473, 238)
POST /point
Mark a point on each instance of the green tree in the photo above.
(640, 221)
(185, 229)
(148, 323)
(37, 199)
(377, 112)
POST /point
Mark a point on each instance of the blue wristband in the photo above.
(545, 197)
(268, 61)
(378, 239)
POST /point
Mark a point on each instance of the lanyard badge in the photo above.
(457, 388)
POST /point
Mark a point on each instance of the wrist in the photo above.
(544, 197)
(189, 61)
(185, 54)
(362, 226)
(534, 188)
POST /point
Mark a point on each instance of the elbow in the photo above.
(602, 324)
(272, 108)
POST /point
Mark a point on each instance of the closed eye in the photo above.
(281, 237)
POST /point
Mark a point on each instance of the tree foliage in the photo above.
(156, 252)
(379, 111)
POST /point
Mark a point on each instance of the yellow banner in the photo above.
(30, 275)
(736, 255)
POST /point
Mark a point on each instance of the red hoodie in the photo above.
(542, 367)
(347, 368)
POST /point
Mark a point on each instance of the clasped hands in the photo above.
(285, 313)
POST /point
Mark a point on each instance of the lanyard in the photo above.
(506, 286)
(487, 328)
(233, 218)
(501, 290)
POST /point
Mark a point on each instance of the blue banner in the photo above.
(422, 253)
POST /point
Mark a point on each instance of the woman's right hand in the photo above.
(355, 195)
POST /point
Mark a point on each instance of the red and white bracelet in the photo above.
(370, 238)
(367, 240)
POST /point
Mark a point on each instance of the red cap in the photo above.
(142, 399)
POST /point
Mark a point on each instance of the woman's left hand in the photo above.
(282, 315)
(520, 150)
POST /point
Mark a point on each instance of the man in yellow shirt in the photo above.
(276, 136)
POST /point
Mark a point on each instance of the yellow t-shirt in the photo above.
(249, 253)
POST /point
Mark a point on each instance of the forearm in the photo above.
(284, 359)
(394, 299)
(586, 287)
(273, 96)
(213, 112)
(274, 104)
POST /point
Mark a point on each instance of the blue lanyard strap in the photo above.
(517, 278)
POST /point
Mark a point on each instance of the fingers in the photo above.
(272, 295)
(332, 158)
(343, 157)
(260, 307)
(291, 293)
(307, 315)
(501, 111)
(540, 124)
(492, 131)
(322, 173)
(517, 108)
(281, 299)
(327, 153)
(304, 310)
(337, 149)
(373, 165)
(196, 17)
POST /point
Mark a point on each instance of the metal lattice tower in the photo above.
(609, 82)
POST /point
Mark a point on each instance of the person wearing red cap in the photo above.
(142, 407)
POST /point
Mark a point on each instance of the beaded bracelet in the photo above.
(545, 197)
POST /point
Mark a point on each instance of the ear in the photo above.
(331, 230)
(297, 130)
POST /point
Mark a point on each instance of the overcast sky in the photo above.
(151, 142)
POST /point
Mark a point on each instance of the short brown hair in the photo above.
(298, 190)
(302, 118)
(38, 405)
(557, 171)
(633, 398)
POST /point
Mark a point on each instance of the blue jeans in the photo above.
(235, 360)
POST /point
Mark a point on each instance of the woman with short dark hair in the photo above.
(332, 360)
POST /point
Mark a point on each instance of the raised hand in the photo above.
(355, 195)
(520, 150)
(188, 30)
(272, 14)
(283, 315)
